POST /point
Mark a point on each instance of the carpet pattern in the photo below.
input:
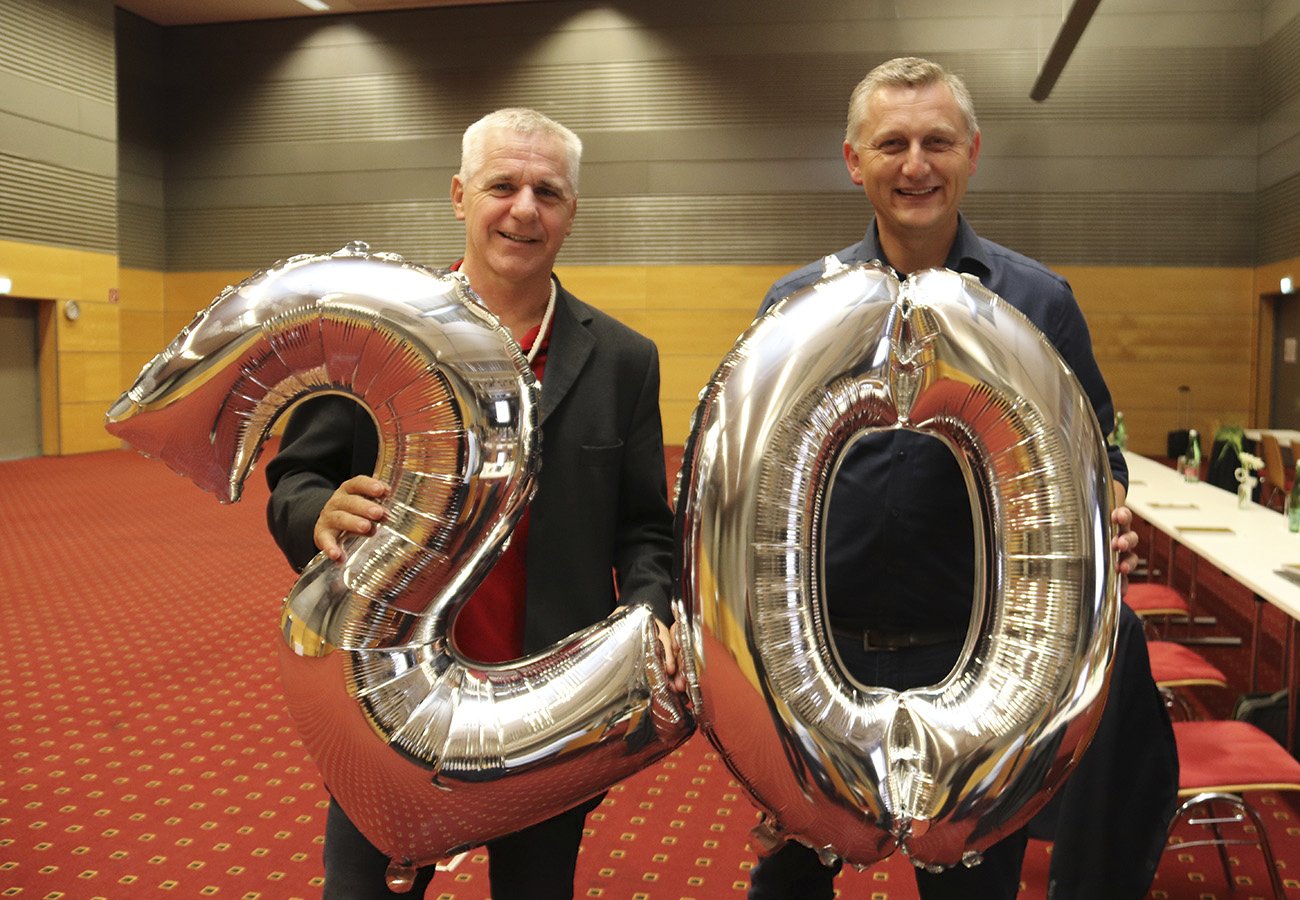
(145, 750)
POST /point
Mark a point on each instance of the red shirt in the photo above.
(490, 628)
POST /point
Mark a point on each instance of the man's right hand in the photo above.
(351, 509)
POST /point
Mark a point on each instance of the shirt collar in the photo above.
(966, 254)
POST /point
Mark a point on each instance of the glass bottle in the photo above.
(1192, 466)
(1293, 503)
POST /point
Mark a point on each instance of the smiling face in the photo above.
(518, 206)
(913, 156)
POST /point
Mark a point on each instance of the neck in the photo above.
(910, 253)
(518, 305)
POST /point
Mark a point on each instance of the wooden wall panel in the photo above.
(141, 314)
(1267, 279)
(1153, 329)
(141, 290)
(51, 272)
(1157, 328)
(98, 330)
(92, 377)
(81, 427)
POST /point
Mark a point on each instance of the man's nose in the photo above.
(917, 161)
(525, 205)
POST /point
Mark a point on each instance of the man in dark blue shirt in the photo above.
(899, 499)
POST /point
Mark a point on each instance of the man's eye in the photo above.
(938, 143)
(501, 187)
(894, 145)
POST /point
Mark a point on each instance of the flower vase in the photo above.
(1246, 493)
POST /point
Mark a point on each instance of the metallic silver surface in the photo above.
(428, 752)
(855, 771)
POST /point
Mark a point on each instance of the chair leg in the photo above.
(1224, 862)
(1265, 847)
(1176, 703)
(1243, 810)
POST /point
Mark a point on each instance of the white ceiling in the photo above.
(201, 12)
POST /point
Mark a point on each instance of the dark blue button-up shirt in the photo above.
(900, 537)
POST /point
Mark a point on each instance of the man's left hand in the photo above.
(672, 657)
(1125, 541)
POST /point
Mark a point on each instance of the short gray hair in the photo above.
(520, 121)
(907, 71)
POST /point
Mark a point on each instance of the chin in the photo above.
(518, 270)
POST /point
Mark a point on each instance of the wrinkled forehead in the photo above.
(536, 158)
(927, 109)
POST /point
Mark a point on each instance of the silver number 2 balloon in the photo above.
(856, 771)
(427, 751)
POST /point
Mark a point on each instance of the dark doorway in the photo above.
(20, 405)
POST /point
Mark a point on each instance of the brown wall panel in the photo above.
(92, 377)
(81, 427)
(698, 332)
(1153, 330)
(97, 330)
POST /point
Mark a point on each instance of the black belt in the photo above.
(883, 639)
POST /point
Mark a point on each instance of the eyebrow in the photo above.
(937, 128)
(559, 186)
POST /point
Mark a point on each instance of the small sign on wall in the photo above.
(1288, 349)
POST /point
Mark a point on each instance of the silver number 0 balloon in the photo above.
(427, 751)
(852, 770)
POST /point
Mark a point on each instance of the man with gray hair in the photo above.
(599, 529)
(899, 548)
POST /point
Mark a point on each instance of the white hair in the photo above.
(907, 71)
(520, 121)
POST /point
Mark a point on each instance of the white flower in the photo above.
(1250, 462)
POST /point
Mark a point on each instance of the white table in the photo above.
(1249, 545)
(1286, 437)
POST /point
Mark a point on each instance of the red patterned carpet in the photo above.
(145, 750)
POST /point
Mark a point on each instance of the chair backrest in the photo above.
(1274, 468)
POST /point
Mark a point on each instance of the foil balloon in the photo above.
(427, 751)
(854, 771)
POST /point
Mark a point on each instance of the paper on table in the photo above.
(1290, 572)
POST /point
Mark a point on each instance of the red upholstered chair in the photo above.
(1176, 666)
(1156, 603)
(1150, 598)
(1219, 762)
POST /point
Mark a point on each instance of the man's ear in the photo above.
(974, 152)
(853, 163)
(458, 197)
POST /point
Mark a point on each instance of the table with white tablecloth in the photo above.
(1250, 545)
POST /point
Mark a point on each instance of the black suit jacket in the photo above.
(600, 529)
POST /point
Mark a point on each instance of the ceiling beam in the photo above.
(1076, 20)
